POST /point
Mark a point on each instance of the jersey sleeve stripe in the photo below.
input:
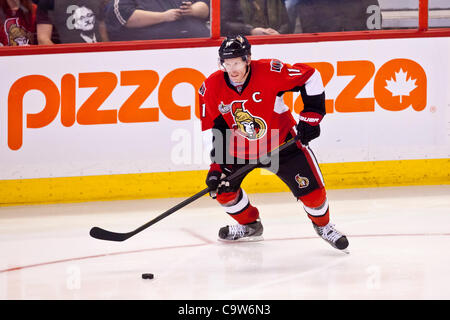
(117, 13)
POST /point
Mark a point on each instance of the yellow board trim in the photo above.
(186, 183)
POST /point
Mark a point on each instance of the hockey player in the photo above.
(243, 104)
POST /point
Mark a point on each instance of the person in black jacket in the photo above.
(156, 19)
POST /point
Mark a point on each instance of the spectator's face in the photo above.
(236, 68)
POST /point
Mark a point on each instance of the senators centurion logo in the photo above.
(303, 182)
(17, 35)
(246, 124)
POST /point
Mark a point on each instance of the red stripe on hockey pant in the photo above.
(248, 215)
(312, 165)
(316, 199)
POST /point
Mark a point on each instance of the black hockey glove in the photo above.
(308, 128)
(216, 180)
(213, 179)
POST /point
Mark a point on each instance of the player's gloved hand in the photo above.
(308, 127)
(216, 180)
(213, 179)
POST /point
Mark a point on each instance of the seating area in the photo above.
(48, 22)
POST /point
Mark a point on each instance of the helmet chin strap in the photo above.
(247, 71)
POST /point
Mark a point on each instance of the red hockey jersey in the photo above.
(257, 116)
(19, 28)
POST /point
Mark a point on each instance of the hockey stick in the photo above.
(103, 234)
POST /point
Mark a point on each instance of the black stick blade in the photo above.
(102, 234)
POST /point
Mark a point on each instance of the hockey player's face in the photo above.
(236, 69)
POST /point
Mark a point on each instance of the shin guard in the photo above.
(316, 206)
(237, 205)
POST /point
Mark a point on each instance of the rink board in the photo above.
(187, 183)
(124, 125)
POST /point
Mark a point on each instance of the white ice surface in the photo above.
(399, 249)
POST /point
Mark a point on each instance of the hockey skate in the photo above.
(242, 232)
(332, 236)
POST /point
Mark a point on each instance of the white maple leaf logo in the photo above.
(402, 85)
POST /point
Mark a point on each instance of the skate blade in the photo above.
(345, 250)
(245, 239)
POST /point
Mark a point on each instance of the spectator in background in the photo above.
(69, 21)
(269, 14)
(157, 19)
(18, 23)
(233, 22)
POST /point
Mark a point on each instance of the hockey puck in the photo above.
(147, 276)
